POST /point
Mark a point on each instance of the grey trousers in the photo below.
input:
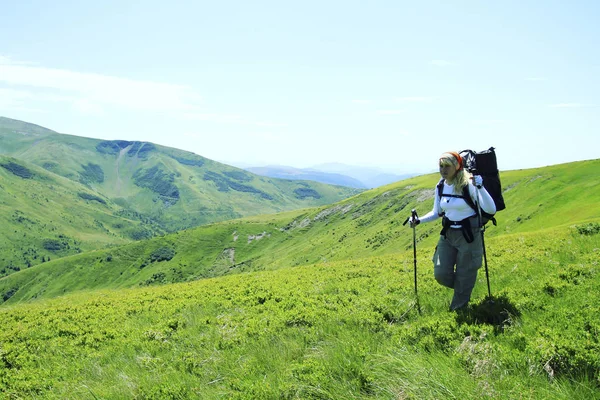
(456, 262)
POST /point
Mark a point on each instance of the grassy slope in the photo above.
(208, 191)
(345, 327)
(369, 224)
(47, 207)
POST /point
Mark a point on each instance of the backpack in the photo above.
(482, 163)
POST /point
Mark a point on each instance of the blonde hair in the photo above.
(461, 178)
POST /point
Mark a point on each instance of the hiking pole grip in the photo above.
(413, 215)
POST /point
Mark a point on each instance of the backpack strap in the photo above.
(440, 189)
(466, 196)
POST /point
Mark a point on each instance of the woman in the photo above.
(459, 251)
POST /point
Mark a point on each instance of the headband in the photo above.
(458, 158)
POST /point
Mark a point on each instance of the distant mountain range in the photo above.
(334, 174)
(62, 194)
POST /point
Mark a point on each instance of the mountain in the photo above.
(283, 172)
(370, 177)
(320, 303)
(174, 188)
(333, 173)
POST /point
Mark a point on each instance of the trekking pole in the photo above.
(414, 227)
(482, 228)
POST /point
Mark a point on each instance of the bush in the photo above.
(219, 180)
(91, 173)
(158, 181)
(18, 170)
(162, 254)
(9, 293)
(303, 193)
(87, 196)
(592, 228)
(140, 234)
(111, 146)
(224, 184)
(194, 163)
(238, 175)
(53, 245)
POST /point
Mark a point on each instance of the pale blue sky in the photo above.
(375, 83)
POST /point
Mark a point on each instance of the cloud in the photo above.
(441, 63)
(23, 99)
(99, 90)
(359, 101)
(25, 85)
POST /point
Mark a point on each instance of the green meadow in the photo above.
(319, 303)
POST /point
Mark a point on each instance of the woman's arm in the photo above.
(486, 202)
(434, 213)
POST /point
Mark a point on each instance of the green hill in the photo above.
(175, 188)
(67, 194)
(366, 225)
(319, 303)
(46, 216)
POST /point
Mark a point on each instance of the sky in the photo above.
(388, 84)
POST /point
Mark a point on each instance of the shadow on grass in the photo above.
(496, 311)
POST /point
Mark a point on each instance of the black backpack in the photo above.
(482, 163)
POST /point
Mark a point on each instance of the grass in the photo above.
(346, 329)
(316, 303)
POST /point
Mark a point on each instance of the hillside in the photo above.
(46, 216)
(343, 323)
(175, 188)
(290, 332)
(369, 224)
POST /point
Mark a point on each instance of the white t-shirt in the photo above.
(457, 209)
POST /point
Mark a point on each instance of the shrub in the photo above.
(141, 149)
(87, 196)
(91, 173)
(140, 234)
(162, 254)
(53, 245)
(9, 293)
(158, 181)
(111, 146)
(224, 184)
(18, 170)
(219, 180)
(592, 228)
(194, 163)
(238, 175)
(303, 193)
